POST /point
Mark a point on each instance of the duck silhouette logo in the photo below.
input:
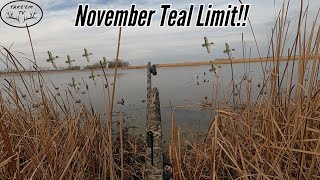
(21, 13)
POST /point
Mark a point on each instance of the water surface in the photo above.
(182, 86)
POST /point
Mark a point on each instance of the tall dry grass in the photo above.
(41, 144)
(276, 136)
(44, 138)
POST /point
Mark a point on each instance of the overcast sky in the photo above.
(56, 32)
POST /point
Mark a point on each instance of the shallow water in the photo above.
(178, 85)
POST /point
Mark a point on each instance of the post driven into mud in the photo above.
(154, 158)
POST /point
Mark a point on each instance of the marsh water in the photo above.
(182, 90)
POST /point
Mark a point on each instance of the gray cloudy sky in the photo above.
(56, 32)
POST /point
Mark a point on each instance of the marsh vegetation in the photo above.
(275, 135)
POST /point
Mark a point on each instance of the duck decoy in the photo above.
(121, 102)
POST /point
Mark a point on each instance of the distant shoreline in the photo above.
(183, 64)
(224, 61)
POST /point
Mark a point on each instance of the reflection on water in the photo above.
(182, 86)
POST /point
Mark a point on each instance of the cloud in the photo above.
(56, 32)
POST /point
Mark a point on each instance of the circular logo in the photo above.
(21, 13)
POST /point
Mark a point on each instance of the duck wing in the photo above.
(54, 65)
(208, 49)
(227, 47)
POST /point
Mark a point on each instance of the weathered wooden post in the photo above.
(154, 158)
(148, 85)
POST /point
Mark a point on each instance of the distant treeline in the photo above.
(111, 64)
(121, 63)
(73, 68)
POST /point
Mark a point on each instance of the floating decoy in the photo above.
(197, 76)
(107, 85)
(121, 102)
(207, 44)
(69, 61)
(205, 103)
(52, 59)
(204, 77)
(86, 54)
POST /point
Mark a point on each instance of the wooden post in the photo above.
(148, 86)
(154, 159)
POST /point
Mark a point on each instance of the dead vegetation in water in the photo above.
(42, 145)
(43, 138)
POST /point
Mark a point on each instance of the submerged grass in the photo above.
(276, 136)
